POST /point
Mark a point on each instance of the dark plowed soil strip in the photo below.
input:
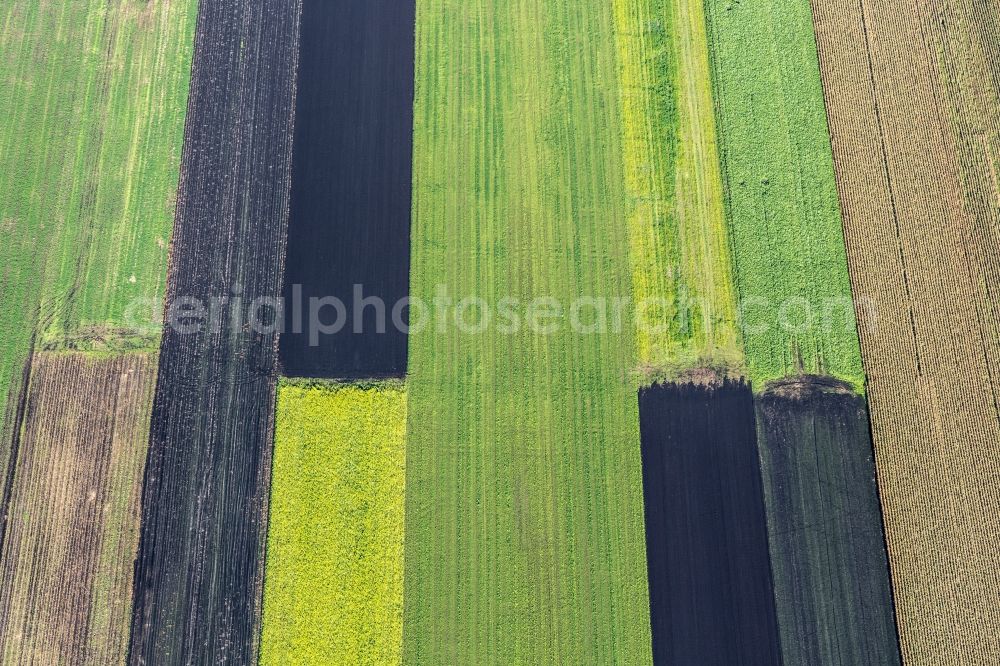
(351, 188)
(831, 572)
(66, 566)
(199, 571)
(711, 598)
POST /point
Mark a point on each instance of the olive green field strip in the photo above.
(784, 221)
(682, 277)
(67, 561)
(524, 505)
(333, 587)
(913, 249)
(93, 97)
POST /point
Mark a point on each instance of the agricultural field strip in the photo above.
(349, 219)
(66, 588)
(711, 593)
(524, 523)
(831, 571)
(87, 87)
(333, 591)
(933, 416)
(677, 225)
(781, 197)
(93, 136)
(790, 260)
(964, 41)
(199, 572)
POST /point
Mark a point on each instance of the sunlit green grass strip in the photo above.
(781, 196)
(92, 134)
(92, 103)
(333, 591)
(682, 277)
(524, 511)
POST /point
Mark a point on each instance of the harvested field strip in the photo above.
(964, 38)
(934, 418)
(333, 592)
(710, 587)
(86, 90)
(831, 572)
(677, 228)
(784, 220)
(93, 103)
(66, 583)
(524, 516)
(200, 567)
(349, 222)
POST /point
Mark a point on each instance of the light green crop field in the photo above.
(92, 102)
(782, 206)
(333, 591)
(682, 278)
(524, 513)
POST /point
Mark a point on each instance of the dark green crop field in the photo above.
(781, 198)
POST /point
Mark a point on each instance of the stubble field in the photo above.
(73, 526)
(916, 247)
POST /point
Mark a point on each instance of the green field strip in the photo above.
(524, 510)
(682, 276)
(93, 102)
(781, 197)
(333, 590)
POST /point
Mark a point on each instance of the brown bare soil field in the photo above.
(67, 562)
(919, 256)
